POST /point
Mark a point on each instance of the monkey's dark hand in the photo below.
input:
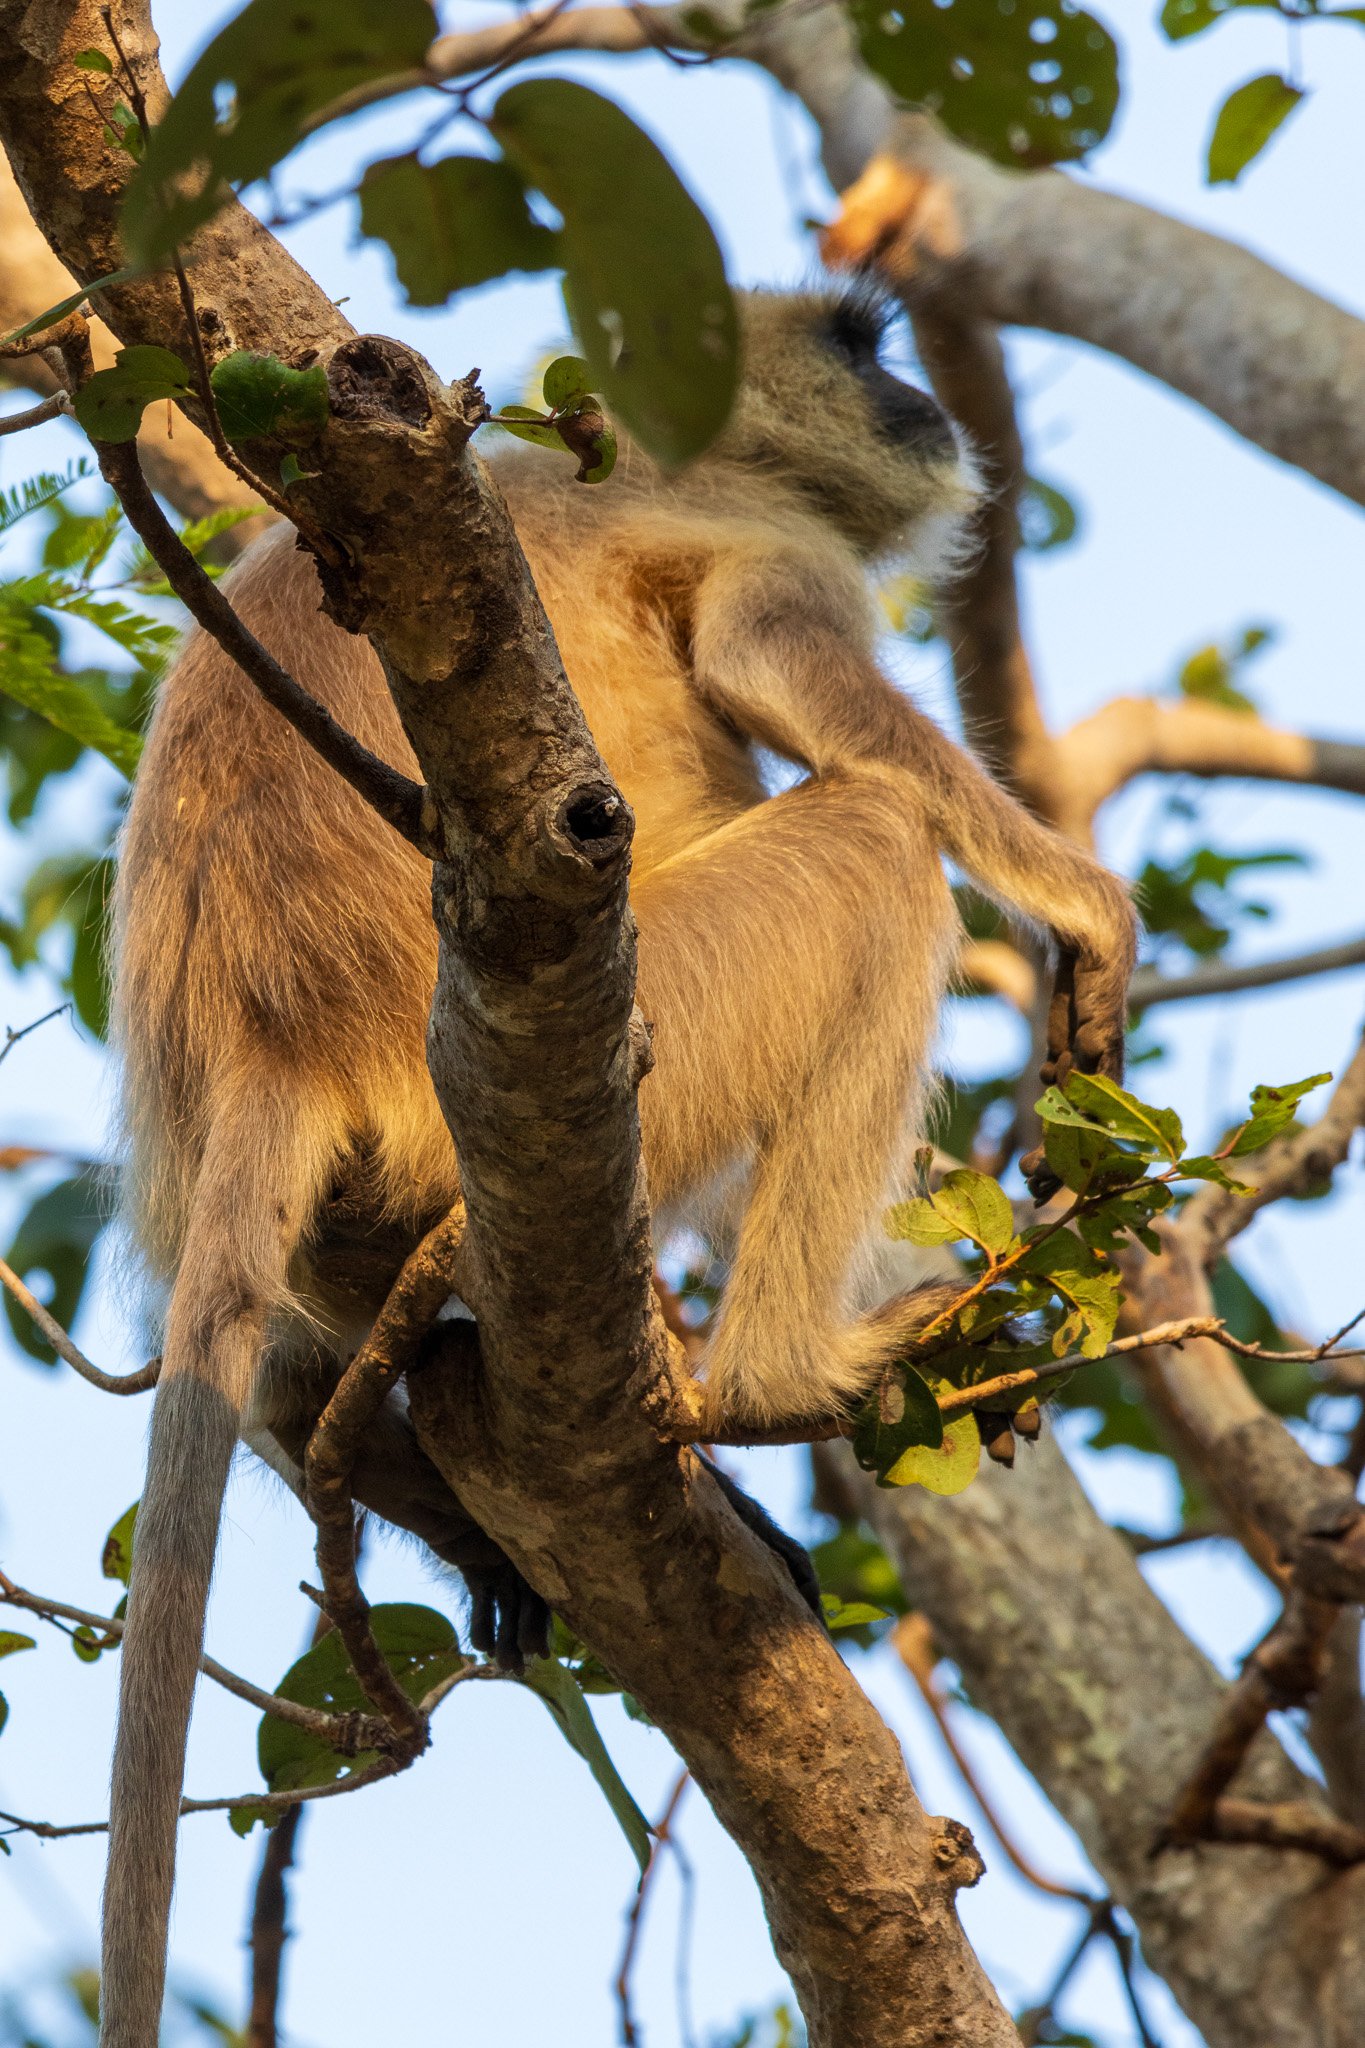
(766, 1529)
(508, 1620)
(1085, 1026)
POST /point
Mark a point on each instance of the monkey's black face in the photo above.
(905, 416)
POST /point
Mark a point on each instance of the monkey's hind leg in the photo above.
(792, 965)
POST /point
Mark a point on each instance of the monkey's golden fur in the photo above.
(276, 957)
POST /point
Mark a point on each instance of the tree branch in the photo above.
(536, 1053)
(47, 1326)
(1108, 1704)
(1220, 978)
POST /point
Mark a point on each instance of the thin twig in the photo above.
(346, 1733)
(35, 415)
(959, 1399)
(630, 2034)
(397, 798)
(420, 1291)
(52, 1332)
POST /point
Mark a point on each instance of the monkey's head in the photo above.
(816, 407)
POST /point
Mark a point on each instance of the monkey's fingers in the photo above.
(1101, 1018)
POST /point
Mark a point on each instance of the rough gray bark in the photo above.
(536, 1052)
(1107, 1702)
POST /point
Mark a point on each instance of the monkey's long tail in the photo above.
(255, 1188)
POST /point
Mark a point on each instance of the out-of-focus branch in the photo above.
(1336, 1719)
(1219, 978)
(182, 466)
(1132, 736)
(270, 1931)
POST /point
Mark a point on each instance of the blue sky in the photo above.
(479, 1898)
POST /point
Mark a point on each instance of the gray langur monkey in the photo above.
(276, 958)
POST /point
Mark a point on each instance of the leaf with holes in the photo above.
(261, 398)
(259, 87)
(1028, 82)
(1272, 1111)
(452, 224)
(1246, 121)
(893, 1419)
(110, 404)
(1085, 1282)
(944, 1468)
(644, 280)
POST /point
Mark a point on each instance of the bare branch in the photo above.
(420, 1291)
(347, 1733)
(1218, 978)
(663, 1840)
(270, 1931)
(1289, 1824)
(51, 1331)
(36, 415)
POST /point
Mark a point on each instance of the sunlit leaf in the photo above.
(944, 1468)
(1272, 1111)
(116, 1560)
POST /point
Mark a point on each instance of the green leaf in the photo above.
(1202, 1167)
(259, 398)
(270, 74)
(452, 224)
(1246, 121)
(644, 279)
(1272, 1111)
(40, 321)
(560, 1691)
(11, 1642)
(419, 1646)
(111, 404)
(92, 60)
(1086, 1284)
(1047, 517)
(919, 1222)
(55, 1237)
(1123, 1115)
(853, 1567)
(1028, 85)
(566, 380)
(1075, 1149)
(89, 1646)
(978, 1206)
(242, 1819)
(31, 675)
(1128, 1211)
(850, 1613)
(116, 1559)
(944, 1468)
(894, 1418)
(70, 892)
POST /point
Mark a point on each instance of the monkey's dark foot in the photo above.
(786, 1547)
(1041, 1181)
(508, 1620)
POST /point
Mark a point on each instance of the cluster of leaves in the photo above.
(644, 280)
(1193, 901)
(421, 1649)
(1119, 1158)
(1251, 114)
(573, 419)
